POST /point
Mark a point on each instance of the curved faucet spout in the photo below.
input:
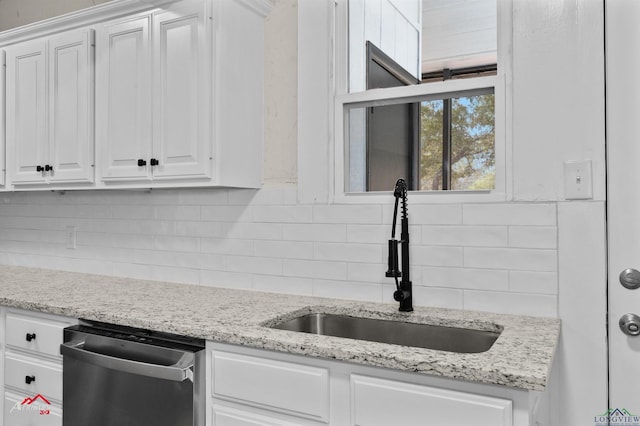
(403, 293)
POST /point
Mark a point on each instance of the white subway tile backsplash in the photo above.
(473, 236)
(176, 243)
(351, 290)
(511, 303)
(508, 258)
(428, 214)
(226, 213)
(23, 222)
(177, 259)
(533, 282)
(200, 229)
(543, 214)
(132, 212)
(437, 256)
(283, 214)
(281, 284)
(176, 212)
(439, 297)
(374, 234)
(533, 237)
(108, 239)
(157, 273)
(283, 249)
(467, 278)
(227, 246)
(368, 272)
(315, 269)
(314, 232)
(252, 231)
(498, 257)
(347, 214)
(226, 279)
(201, 196)
(347, 252)
(254, 265)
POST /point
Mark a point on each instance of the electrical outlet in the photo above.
(577, 180)
(71, 237)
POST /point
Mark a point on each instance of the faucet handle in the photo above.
(392, 270)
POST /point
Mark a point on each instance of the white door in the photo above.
(123, 95)
(71, 107)
(623, 201)
(181, 141)
(26, 107)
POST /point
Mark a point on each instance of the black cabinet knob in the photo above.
(48, 168)
(31, 336)
(141, 163)
(154, 162)
(29, 379)
(39, 169)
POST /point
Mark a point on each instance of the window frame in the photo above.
(500, 83)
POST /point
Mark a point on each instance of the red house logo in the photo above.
(38, 404)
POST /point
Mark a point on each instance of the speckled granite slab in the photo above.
(520, 358)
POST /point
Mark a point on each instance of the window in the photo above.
(438, 122)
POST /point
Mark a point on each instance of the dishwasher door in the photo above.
(127, 378)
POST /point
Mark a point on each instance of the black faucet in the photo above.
(403, 293)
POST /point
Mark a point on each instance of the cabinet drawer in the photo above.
(44, 335)
(225, 416)
(18, 412)
(419, 405)
(291, 388)
(48, 376)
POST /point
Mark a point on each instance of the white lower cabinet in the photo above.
(416, 404)
(272, 385)
(32, 368)
(260, 387)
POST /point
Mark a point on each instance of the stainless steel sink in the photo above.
(451, 339)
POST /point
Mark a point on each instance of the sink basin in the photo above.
(451, 339)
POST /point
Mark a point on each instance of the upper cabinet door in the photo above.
(27, 111)
(181, 134)
(71, 107)
(2, 112)
(123, 107)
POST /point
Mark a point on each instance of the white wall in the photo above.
(536, 254)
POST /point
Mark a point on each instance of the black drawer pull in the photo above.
(31, 336)
(29, 379)
(141, 163)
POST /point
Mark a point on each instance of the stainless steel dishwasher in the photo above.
(121, 376)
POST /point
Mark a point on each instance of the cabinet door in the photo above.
(123, 108)
(422, 405)
(2, 116)
(181, 141)
(27, 111)
(71, 107)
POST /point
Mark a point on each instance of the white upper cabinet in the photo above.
(176, 101)
(152, 95)
(181, 135)
(49, 109)
(123, 93)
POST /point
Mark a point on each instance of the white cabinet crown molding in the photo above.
(83, 17)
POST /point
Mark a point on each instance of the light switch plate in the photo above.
(577, 180)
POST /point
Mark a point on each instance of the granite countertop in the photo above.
(520, 358)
